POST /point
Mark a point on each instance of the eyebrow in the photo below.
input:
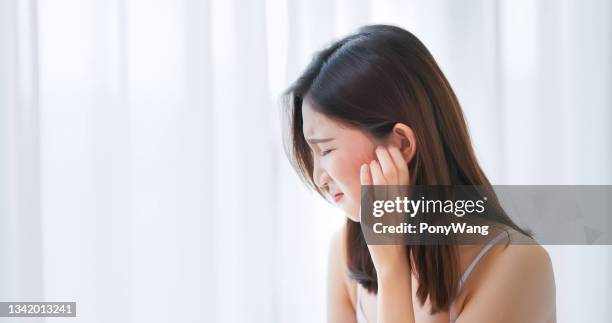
(320, 140)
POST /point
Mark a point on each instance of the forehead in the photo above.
(315, 122)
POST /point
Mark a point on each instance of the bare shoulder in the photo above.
(517, 284)
(525, 257)
(338, 271)
(522, 268)
(337, 244)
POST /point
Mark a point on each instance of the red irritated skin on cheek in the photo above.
(338, 153)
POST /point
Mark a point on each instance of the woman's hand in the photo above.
(390, 169)
(391, 261)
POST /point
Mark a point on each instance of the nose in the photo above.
(320, 176)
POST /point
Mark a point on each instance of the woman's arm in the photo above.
(395, 296)
(339, 307)
(394, 304)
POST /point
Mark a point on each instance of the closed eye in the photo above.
(325, 152)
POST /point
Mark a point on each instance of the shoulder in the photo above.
(523, 261)
(518, 281)
(337, 245)
(337, 259)
(523, 257)
(340, 287)
(524, 266)
(337, 263)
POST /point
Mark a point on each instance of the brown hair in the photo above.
(371, 80)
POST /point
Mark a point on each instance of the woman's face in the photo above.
(338, 153)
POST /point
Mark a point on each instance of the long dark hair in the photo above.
(371, 80)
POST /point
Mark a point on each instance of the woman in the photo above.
(374, 109)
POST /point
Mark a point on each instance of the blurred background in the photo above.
(141, 167)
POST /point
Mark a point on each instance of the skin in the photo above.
(512, 284)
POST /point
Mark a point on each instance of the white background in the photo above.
(141, 169)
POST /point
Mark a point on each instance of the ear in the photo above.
(403, 137)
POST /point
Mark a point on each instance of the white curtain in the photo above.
(141, 168)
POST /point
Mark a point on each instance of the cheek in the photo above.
(347, 167)
(347, 172)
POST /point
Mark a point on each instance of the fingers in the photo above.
(377, 174)
(400, 163)
(365, 175)
(390, 168)
(387, 165)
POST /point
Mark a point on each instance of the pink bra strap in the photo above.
(468, 270)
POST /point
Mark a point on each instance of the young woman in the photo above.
(374, 109)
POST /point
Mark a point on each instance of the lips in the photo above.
(337, 196)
